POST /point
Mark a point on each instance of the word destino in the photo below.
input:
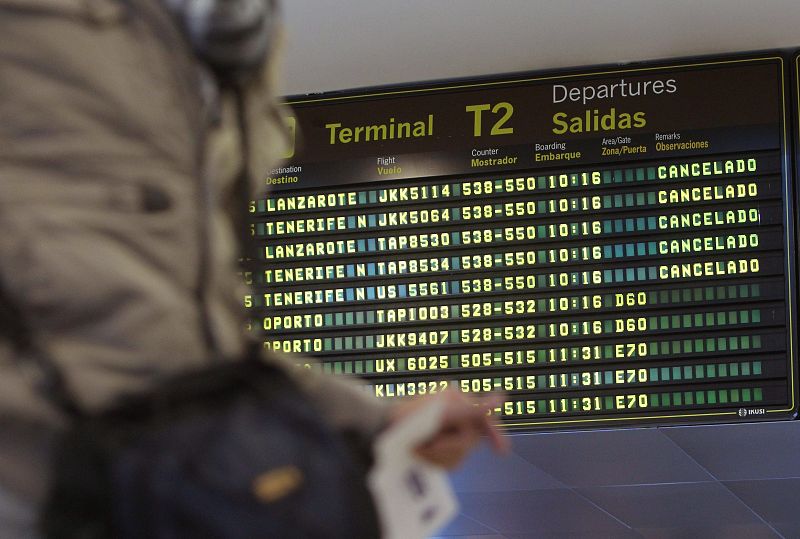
(590, 120)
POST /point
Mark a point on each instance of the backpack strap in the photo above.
(32, 361)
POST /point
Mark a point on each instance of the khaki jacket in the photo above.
(117, 159)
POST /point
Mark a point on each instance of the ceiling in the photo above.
(353, 43)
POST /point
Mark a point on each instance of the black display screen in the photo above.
(607, 247)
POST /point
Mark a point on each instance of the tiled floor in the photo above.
(722, 481)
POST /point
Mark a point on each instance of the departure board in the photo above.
(607, 247)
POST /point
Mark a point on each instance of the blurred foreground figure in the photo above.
(119, 150)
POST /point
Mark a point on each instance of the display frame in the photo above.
(790, 84)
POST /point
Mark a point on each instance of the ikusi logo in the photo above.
(745, 412)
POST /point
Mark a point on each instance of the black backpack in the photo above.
(234, 451)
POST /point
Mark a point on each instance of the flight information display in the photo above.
(605, 247)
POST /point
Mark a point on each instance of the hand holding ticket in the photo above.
(410, 488)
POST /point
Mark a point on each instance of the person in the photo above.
(119, 147)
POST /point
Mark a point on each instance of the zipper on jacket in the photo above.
(201, 291)
(188, 82)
